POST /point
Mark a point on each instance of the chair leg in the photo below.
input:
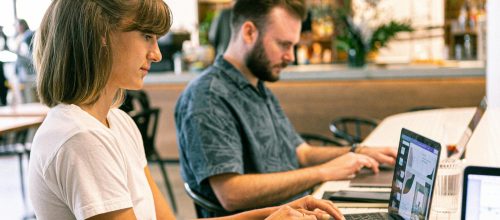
(21, 174)
(167, 183)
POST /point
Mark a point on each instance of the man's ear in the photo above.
(249, 32)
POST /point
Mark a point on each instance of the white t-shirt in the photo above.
(80, 168)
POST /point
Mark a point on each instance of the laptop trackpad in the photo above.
(366, 178)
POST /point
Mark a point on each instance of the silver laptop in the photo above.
(413, 179)
(366, 178)
(459, 150)
(481, 190)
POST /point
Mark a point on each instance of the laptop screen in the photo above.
(414, 176)
(480, 193)
(459, 150)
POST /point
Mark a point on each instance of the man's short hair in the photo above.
(257, 11)
(73, 54)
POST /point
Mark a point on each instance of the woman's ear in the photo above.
(249, 32)
(104, 43)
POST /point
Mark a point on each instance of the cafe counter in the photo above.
(313, 95)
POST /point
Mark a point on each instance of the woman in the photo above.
(87, 159)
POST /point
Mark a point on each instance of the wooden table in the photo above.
(10, 124)
(25, 109)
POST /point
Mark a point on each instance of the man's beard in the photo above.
(258, 63)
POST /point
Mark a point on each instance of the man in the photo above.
(237, 146)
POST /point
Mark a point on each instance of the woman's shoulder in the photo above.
(65, 121)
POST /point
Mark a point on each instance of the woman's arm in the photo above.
(163, 211)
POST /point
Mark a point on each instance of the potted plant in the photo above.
(358, 42)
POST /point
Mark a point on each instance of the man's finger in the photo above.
(326, 206)
(386, 159)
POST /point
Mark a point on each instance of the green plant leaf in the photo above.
(384, 33)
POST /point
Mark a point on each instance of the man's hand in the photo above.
(286, 212)
(307, 208)
(385, 155)
(345, 166)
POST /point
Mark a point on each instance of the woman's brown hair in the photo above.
(73, 56)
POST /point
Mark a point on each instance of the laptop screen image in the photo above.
(481, 190)
(413, 179)
(414, 176)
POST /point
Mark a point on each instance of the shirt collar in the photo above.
(231, 72)
(236, 76)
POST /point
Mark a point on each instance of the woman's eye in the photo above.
(148, 36)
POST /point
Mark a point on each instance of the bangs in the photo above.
(153, 16)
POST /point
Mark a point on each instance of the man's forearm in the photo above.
(242, 192)
(311, 155)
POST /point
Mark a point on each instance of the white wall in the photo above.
(493, 54)
(32, 11)
(421, 14)
(185, 16)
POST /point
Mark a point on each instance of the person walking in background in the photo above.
(87, 158)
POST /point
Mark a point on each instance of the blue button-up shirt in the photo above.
(227, 125)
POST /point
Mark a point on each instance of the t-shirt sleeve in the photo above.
(91, 176)
(211, 140)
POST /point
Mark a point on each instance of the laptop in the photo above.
(413, 180)
(458, 151)
(366, 178)
(481, 190)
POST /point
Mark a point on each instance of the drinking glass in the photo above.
(447, 189)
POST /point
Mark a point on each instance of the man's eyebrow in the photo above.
(284, 41)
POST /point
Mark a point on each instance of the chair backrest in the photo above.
(352, 129)
(135, 100)
(319, 140)
(13, 143)
(137, 105)
(147, 122)
(205, 203)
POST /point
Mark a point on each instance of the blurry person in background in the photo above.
(24, 36)
(3, 40)
(24, 63)
(87, 158)
(3, 79)
(219, 34)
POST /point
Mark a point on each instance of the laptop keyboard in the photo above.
(367, 216)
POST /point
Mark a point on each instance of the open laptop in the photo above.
(481, 190)
(458, 151)
(366, 178)
(413, 181)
